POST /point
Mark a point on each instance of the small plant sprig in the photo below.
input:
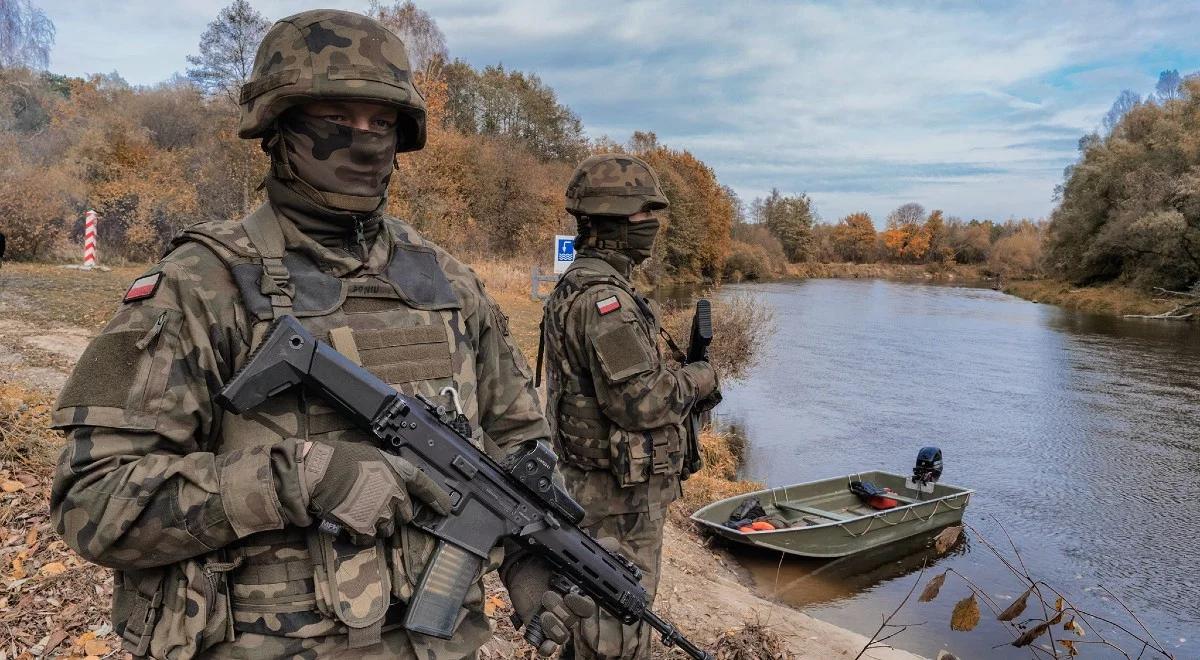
(1056, 610)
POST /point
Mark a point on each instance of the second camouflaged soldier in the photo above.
(210, 519)
(615, 407)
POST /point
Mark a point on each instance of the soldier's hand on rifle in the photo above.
(708, 392)
(528, 580)
(359, 488)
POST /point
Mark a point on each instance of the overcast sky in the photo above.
(974, 108)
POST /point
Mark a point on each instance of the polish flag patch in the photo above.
(143, 287)
(609, 304)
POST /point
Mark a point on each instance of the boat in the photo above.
(826, 518)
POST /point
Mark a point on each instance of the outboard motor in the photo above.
(927, 470)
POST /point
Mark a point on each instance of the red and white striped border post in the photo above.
(89, 240)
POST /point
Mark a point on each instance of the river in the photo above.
(1080, 434)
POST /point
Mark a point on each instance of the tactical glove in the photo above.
(527, 578)
(708, 392)
(359, 488)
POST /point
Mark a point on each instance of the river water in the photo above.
(1080, 434)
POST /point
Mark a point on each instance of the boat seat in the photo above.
(816, 512)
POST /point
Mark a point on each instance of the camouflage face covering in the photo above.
(633, 239)
(333, 158)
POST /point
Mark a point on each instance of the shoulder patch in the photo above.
(609, 304)
(143, 287)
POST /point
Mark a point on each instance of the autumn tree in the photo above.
(226, 60)
(423, 39)
(970, 242)
(1019, 254)
(1130, 206)
(790, 218)
(854, 238)
(26, 35)
(935, 229)
(695, 236)
(227, 50)
(512, 104)
(905, 237)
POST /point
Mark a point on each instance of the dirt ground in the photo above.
(54, 604)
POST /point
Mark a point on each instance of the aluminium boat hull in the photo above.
(830, 521)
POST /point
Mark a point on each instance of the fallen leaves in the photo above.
(966, 614)
(52, 604)
(492, 604)
(53, 568)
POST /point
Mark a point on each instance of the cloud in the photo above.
(973, 108)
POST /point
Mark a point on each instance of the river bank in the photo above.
(52, 602)
(1109, 299)
(887, 271)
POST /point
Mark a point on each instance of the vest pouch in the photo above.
(584, 433)
(353, 583)
(632, 453)
(195, 611)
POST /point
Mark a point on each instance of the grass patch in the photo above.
(848, 270)
(49, 295)
(1108, 299)
(718, 479)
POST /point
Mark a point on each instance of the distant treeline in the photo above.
(782, 229)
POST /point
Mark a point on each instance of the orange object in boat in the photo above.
(881, 502)
(745, 528)
(762, 526)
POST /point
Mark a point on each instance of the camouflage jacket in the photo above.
(616, 408)
(157, 482)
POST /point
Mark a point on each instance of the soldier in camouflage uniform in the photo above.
(616, 409)
(208, 518)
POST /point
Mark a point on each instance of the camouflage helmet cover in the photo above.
(614, 184)
(326, 54)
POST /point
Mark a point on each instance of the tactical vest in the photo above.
(404, 325)
(583, 436)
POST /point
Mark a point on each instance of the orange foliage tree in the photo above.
(696, 238)
(854, 238)
(906, 238)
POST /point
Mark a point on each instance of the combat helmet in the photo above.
(323, 54)
(614, 184)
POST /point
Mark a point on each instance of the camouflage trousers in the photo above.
(396, 644)
(603, 637)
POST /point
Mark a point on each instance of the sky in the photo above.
(973, 108)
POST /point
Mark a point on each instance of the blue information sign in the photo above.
(564, 253)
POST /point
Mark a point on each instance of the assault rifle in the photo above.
(516, 500)
(702, 334)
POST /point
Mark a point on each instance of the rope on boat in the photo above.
(905, 517)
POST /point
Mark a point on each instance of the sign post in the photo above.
(89, 240)
(564, 256)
